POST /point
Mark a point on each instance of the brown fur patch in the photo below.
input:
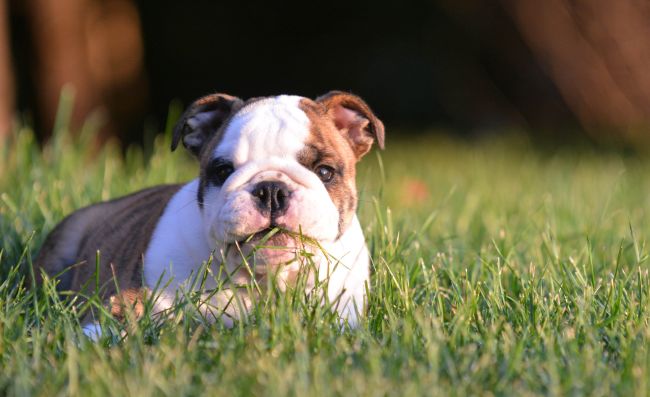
(354, 119)
(326, 146)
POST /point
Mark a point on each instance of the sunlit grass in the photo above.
(498, 269)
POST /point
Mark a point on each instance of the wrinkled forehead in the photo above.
(264, 128)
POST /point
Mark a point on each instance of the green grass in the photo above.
(505, 270)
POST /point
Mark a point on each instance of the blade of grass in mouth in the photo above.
(265, 233)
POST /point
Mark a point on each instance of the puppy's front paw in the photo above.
(128, 302)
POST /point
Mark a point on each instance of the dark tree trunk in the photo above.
(59, 38)
(95, 48)
(7, 93)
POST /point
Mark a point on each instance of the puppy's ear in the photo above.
(354, 120)
(202, 119)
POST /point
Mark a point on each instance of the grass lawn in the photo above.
(499, 269)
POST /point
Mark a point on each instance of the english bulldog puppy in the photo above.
(283, 164)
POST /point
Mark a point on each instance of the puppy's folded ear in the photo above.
(202, 120)
(354, 120)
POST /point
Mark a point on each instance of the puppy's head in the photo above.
(285, 162)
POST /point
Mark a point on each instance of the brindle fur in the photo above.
(119, 229)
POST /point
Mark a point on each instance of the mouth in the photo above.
(264, 236)
(275, 236)
(271, 248)
(268, 249)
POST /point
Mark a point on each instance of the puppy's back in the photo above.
(120, 229)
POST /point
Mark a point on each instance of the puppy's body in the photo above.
(280, 162)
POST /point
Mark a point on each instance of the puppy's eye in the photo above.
(219, 171)
(325, 173)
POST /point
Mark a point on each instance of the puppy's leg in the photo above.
(128, 304)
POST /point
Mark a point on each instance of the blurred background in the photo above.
(556, 69)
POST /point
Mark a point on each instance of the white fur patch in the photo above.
(178, 245)
(271, 127)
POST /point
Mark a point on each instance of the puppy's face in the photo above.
(282, 162)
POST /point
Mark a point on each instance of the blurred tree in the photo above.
(93, 46)
(6, 75)
(60, 49)
(598, 54)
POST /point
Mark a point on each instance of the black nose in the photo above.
(272, 197)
